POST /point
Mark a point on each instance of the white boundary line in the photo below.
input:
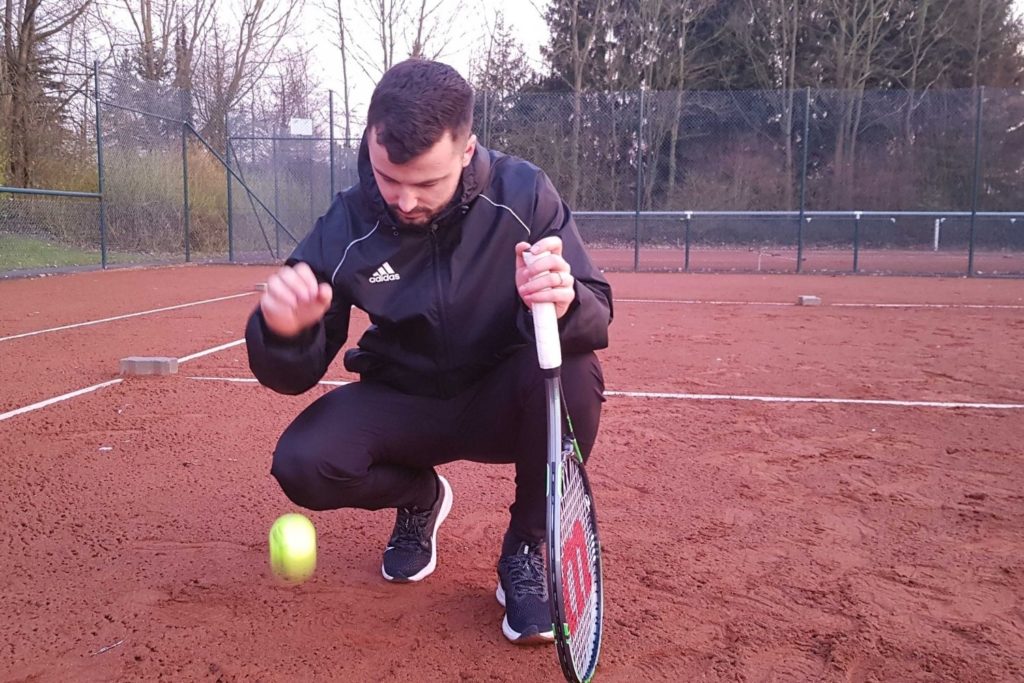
(253, 380)
(123, 317)
(1010, 307)
(56, 399)
(207, 352)
(809, 399)
(696, 302)
(79, 392)
(730, 397)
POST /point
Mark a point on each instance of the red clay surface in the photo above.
(743, 541)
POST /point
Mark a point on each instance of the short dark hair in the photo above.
(415, 103)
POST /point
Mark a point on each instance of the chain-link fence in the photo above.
(809, 180)
(781, 180)
(296, 174)
(144, 148)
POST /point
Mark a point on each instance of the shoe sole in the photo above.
(541, 638)
(446, 507)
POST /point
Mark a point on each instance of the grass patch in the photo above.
(34, 253)
(18, 253)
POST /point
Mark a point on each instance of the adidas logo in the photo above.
(384, 274)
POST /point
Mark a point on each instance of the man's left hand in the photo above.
(547, 278)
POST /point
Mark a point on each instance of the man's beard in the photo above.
(419, 217)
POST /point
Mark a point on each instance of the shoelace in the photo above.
(526, 572)
(409, 529)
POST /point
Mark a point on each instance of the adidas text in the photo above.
(384, 274)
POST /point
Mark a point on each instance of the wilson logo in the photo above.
(384, 274)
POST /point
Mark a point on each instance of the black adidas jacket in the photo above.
(442, 300)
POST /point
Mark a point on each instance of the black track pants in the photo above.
(366, 445)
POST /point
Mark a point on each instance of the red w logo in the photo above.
(576, 578)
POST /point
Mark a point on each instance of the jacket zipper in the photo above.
(443, 379)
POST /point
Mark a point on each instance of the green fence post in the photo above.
(101, 179)
(686, 263)
(977, 178)
(227, 173)
(639, 183)
(330, 127)
(803, 182)
(277, 211)
(856, 240)
(184, 184)
(486, 128)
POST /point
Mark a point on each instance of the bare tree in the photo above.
(584, 24)
(153, 29)
(32, 92)
(501, 65)
(432, 28)
(339, 19)
(160, 38)
(769, 32)
(985, 28)
(855, 58)
(384, 16)
(293, 93)
(400, 29)
(929, 26)
(234, 57)
(677, 17)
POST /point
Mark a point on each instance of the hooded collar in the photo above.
(473, 181)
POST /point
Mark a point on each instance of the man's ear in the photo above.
(467, 155)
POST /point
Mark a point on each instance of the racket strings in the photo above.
(577, 534)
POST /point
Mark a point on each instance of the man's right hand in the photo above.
(293, 300)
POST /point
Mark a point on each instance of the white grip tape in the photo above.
(545, 326)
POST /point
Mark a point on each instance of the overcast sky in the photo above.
(468, 33)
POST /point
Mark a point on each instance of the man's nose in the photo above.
(406, 200)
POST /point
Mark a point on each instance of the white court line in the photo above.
(73, 394)
(809, 399)
(123, 317)
(695, 302)
(56, 399)
(1012, 307)
(253, 380)
(207, 352)
(732, 397)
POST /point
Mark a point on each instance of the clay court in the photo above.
(786, 493)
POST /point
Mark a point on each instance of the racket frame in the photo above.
(549, 356)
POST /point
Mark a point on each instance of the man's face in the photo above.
(421, 188)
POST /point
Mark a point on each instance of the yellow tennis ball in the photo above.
(293, 548)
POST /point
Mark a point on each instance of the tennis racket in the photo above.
(573, 549)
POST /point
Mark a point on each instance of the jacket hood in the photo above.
(474, 180)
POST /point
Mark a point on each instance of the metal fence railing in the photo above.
(878, 242)
(771, 181)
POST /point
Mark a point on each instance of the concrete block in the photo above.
(808, 300)
(149, 365)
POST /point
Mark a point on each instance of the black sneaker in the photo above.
(523, 592)
(411, 554)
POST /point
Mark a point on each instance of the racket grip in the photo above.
(545, 327)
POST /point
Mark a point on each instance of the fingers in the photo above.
(546, 279)
(294, 299)
(302, 282)
(324, 295)
(556, 286)
(549, 250)
(552, 245)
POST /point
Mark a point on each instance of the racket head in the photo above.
(574, 564)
